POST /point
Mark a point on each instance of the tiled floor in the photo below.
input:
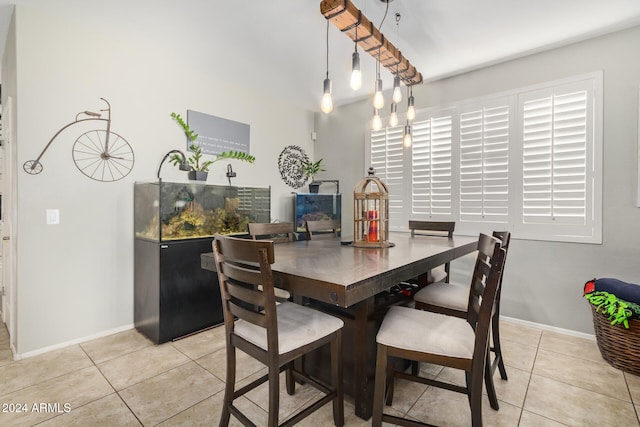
(124, 380)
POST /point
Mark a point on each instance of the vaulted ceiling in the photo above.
(279, 47)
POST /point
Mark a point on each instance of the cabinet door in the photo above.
(189, 296)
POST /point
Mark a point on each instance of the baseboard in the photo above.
(20, 356)
(549, 328)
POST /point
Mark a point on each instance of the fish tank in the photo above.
(167, 211)
(316, 207)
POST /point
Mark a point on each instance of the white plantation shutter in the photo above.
(484, 162)
(561, 162)
(387, 158)
(554, 159)
(431, 176)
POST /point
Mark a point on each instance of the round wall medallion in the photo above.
(290, 166)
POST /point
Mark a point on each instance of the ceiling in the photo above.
(440, 37)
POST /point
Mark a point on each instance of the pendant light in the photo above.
(411, 109)
(407, 139)
(356, 74)
(327, 103)
(393, 118)
(378, 99)
(397, 92)
(376, 122)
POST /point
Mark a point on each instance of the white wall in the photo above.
(543, 281)
(75, 279)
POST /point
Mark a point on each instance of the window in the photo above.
(528, 160)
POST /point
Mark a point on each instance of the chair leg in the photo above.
(495, 332)
(389, 383)
(475, 398)
(290, 380)
(378, 393)
(337, 380)
(488, 381)
(229, 388)
(274, 393)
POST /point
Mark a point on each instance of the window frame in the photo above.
(589, 232)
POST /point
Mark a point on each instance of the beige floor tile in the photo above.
(116, 345)
(576, 406)
(529, 419)
(74, 389)
(405, 394)
(166, 395)
(518, 355)
(216, 363)
(288, 404)
(108, 411)
(34, 370)
(633, 382)
(203, 343)
(6, 356)
(582, 373)
(447, 408)
(207, 413)
(513, 390)
(140, 365)
(519, 333)
(571, 346)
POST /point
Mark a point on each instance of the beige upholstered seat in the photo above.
(458, 343)
(275, 334)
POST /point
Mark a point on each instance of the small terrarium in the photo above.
(166, 211)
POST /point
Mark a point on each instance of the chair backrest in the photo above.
(432, 228)
(485, 285)
(279, 232)
(243, 266)
(322, 229)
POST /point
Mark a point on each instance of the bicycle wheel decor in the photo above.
(99, 154)
(103, 156)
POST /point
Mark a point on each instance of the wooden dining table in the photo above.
(356, 284)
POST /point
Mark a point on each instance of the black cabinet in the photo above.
(174, 296)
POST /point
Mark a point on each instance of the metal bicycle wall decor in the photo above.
(100, 154)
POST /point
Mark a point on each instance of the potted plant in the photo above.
(199, 167)
(310, 169)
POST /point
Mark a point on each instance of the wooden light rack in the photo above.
(344, 15)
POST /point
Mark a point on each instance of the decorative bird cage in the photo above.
(371, 213)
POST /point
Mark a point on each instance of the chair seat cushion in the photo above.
(426, 332)
(437, 274)
(448, 295)
(297, 326)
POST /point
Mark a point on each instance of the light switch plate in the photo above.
(53, 216)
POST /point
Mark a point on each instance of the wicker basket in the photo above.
(618, 346)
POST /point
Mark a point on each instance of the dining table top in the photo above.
(334, 272)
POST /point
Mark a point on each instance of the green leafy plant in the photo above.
(617, 310)
(195, 160)
(310, 169)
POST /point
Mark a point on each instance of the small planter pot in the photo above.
(314, 187)
(198, 176)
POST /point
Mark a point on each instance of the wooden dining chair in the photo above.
(274, 334)
(441, 340)
(278, 232)
(434, 228)
(453, 299)
(322, 229)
